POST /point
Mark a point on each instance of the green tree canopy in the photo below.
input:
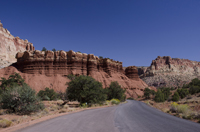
(47, 94)
(176, 97)
(114, 91)
(85, 89)
(159, 97)
(44, 49)
(53, 49)
(12, 81)
(147, 93)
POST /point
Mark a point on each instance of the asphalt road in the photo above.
(133, 116)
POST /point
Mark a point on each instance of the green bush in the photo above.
(131, 98)
(176, 97)
(21, 100)
(194, 89)
(47, 94)
(183, 92)
(115, 101)
(147, 93)
(195, 82)
(166, 92)
(85, 89)
(12, 81)
(159, 97)
(114, 91)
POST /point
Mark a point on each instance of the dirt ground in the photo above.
(193, 103)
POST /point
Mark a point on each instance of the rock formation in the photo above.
(10, 45)
(42, 69)
(172, 72)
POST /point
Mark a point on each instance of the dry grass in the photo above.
(5, 123)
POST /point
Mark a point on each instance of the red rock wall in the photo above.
(61, 63)
(51, 63)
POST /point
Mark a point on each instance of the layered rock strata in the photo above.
(172, 72)
(10, 45)
(50, 69)
(64, 63)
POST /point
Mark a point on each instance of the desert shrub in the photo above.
(180, 108)
(176, 97)
(195, 82)
(159, 97)
(12, 81)
(21, 100)
(147, 93)
(61, 95)
(85, 89)
(47, 94)
(166, 92)
(5, 123)
(183, 109)
(131, 98)
(183, 92)
(115, 91)
(174, 107)
(194, 89)
(115, 101)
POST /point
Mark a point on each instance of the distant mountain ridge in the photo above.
(171, 72)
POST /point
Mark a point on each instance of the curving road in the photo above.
(133, 116)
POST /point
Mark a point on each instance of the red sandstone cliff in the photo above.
(49, 69)
(10, 45)
(172, 72)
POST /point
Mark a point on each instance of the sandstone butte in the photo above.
(10, 45)
(42, 69)
(170, 72)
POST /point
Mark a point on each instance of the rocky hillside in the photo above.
(55, 66)
(171, 72)
(10, 45)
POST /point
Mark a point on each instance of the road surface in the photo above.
(133, 116)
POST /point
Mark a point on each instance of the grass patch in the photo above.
(5, 123)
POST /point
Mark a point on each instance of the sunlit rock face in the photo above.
(61, 63)
(172, 72)
(10, 45)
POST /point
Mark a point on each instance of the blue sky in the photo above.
(132, 31)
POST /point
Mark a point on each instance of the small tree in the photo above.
(100, 57)
(21, 100)
(183, 92)
(147, 93)
(159, 97)
(166, 92)
(53, 49)
(176, 97)
(12, 81)
(47, 94)
(44, 49)
(194, 89)
(114, 91)
(85, 89)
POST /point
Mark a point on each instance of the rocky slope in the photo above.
(170, 72)
(10, 45)
(50, 69)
